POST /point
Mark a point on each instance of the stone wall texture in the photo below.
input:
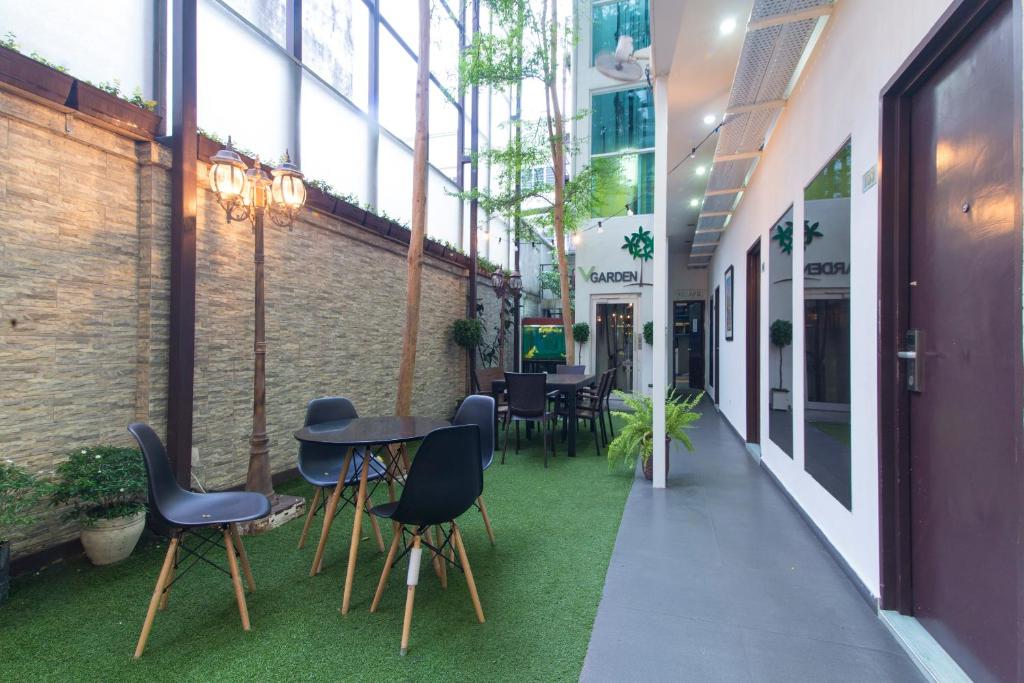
(84, 299)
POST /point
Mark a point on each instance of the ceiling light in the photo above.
(727, 26)
(710, 118)
(701, 170)
(694, 202)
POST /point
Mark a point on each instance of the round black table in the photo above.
(361, 432)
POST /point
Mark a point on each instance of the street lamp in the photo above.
(252, 193)
(503, 286)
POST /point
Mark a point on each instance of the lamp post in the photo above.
(253, 194)
(503, 286)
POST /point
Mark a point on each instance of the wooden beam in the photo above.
(714, 214)
(757, 106)
(184, 146)
(739, 156)
(790, 17)
(719, 193)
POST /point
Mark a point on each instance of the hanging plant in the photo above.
(649, 333)
(468, 333)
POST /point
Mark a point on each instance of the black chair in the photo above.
(571, 369)
(528, 402)
(590, 405)
(320, 465)
(479, 411)
(186, 513)
(445, 479)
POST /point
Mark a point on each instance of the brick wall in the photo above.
(84, 272)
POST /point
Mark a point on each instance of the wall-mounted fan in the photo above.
(624, 64)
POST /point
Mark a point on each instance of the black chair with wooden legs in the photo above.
(528, 402)
(191, 514)
(445, 479)
(320, 464)
(479, 410)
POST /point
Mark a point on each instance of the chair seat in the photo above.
(387, 511)
(188, 509)
(324, 471)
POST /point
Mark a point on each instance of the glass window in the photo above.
(621, 18)
(780, 332)
(404, 18)
(394, 179)
(444, 49)
(444, 126)
(264, 129)
(442, 208)
(622, 120)
(336, 45)
(338, 159)
(625, 179)
(826, 239)
(266, 15)
(397, 89)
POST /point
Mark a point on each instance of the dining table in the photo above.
(390, 434)
(567, 385)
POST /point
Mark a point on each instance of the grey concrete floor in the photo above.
(718, 578)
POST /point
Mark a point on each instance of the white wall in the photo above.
(837, 97)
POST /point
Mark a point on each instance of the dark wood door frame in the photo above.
(714, 351)
(956, 25)
(754, 343)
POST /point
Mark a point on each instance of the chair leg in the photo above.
(435, 561)
(382, 584)
(604, 434)
(236, 580)
(544, 440)
(468, 572)
(487, 520)
(439, 560)
(505, 448)
(329, 511)
(170, 579)
(154, 602)
(376, 527)
(244, 557)
(412, 578)
(597, 438)
(309, 517)
(611, 423)
(517, 437)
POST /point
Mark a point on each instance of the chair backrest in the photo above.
(483, 377)
(479, 411)
(602, 386)
(445, 479)
(527, 395)
(571, 369)
(325, 409)
(163, 487)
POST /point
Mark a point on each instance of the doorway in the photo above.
(688, 346)
(615, 333)
(714, 351)
(754, 343)
(950, 304)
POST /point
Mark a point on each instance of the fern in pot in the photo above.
(636, 437)
(105, 487)
(20, 492)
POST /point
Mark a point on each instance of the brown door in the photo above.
(754, 343)
(965, 490)
(714, 353)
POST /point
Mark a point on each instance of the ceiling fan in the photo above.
(624, 64)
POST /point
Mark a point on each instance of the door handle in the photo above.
(915, 365)
(907, 355)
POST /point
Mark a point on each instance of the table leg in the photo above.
(570, 399)
(357, 523)
(331, 508)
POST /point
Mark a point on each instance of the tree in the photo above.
(529, 46)
(414, 258)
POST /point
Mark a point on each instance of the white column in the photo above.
(661, 285)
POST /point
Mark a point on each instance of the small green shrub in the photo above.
(468, 333)
(101, 482)
(635, 439)
(19, 493)
(581, 332)
(649, 333)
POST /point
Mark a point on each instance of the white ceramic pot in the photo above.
(111, 540)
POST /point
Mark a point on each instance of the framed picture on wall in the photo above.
(728, 303)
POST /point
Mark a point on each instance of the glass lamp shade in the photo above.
(497, 279)
(288, 190)
(227, 174)
(515, 282)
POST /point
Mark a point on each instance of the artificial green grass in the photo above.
(840, 431)
(539, 585)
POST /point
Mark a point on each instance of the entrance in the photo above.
(688, 346)
(715, 322)
(614, 339)
(950, 405)
(754, 343)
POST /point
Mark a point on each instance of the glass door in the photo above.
(688, 346)
(615, 334)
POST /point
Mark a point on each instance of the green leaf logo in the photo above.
(640, 245)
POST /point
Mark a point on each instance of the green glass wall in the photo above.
(622, 120)
(621, 18)
(624, 179)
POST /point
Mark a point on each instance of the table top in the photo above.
(561, 381)
(370, 431)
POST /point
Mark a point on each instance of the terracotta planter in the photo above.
(112, 110)
(377, 224)
(111, 540)
(649, 465)
(320, 200)
(436, 249)
(33, 77)
(5, 570)
(350, 212)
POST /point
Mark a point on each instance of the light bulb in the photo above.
(727, 26)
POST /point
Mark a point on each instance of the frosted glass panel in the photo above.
(442, 209)
(394, 179)
(336, 45)
(404, 17)
(397, 89)
(444, 126)
(444, 49)
(243, 84)
(266, 15)
(113, 40)
(334, 140)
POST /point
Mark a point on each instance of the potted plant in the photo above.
(581, 333)
(649, 333)
(32, 73)
(469, 333)
(105, 486)
(106, 102)
(636, 437)
(781, 333)
(19, 493)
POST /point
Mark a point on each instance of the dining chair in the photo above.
(571, 369)
(445, 478)
(589, 406)
(528, 402)
(320, 464)
(479, 410)
(188, 513)
(483, 382)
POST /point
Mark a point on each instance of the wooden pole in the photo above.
(407, 368)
